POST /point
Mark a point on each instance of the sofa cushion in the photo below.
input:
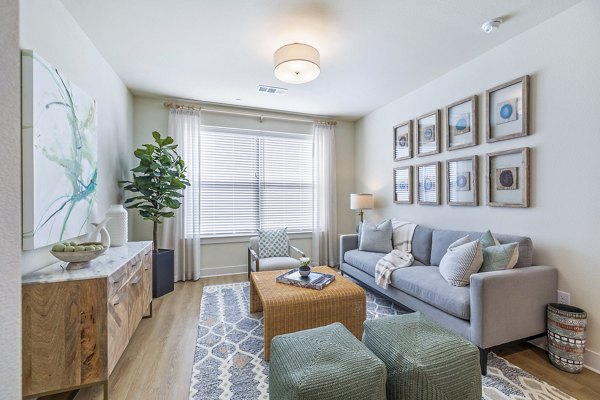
(363, 260)
(276, 263)
(427, 284)
(500, 257)
(376, 238)
(421, 245)
(442, 238)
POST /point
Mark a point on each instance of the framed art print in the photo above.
(428, 180)
(461, 123)
(508, 178)
(403, 141)
(507, 112)
(461, 175)
(403, 185)
(428, 134)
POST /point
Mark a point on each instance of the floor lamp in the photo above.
(361, 201)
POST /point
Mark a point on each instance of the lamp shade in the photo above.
(297, 63)
(361, 201)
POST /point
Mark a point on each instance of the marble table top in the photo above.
(102, 266)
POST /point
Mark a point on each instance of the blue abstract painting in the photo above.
(60, 171)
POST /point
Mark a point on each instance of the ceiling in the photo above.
(372, 52)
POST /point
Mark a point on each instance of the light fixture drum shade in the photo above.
(361, 201)
(297, 63)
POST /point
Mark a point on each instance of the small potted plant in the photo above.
(304, 269)
(156, 185)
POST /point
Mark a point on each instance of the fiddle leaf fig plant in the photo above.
(157, 182)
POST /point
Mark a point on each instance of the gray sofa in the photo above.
(496, 308)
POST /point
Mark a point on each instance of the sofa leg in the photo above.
(483, 358)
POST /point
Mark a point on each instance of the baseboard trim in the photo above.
(226, 270)
(592, 361)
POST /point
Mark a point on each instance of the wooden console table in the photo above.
(76, 324)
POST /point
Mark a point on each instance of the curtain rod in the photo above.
(259, 116)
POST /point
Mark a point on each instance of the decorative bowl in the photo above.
(78, 259)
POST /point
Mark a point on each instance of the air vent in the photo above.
(271, 90)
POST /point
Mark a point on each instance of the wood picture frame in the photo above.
(507, 116)
(403, 143)
(427, 131)
(462, 123)
(462, 181)
(403, 192)
(507, 178)
(428, 183)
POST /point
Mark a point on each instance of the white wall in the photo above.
(562, 55)
(49, 29)
(10, 212)
(230, 257)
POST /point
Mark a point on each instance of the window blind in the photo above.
(252, 180)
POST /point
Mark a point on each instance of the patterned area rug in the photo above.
(228, 360)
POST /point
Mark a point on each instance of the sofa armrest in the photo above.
(347, 242)
(510, 305)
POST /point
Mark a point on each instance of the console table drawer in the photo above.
(118, 326)
(117, 280)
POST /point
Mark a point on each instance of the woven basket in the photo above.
(566, 336)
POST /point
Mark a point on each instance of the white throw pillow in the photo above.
(462, 260)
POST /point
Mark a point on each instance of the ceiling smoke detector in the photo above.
(491, 25)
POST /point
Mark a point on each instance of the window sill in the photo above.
(246, 238)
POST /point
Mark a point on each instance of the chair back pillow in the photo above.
(273, 243)
(463, 259)
(376, 238)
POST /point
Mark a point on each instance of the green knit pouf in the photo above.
(326, 363)
(423, 359)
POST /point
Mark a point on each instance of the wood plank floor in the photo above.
(157, 364)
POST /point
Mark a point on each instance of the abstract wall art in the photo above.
(403, 185)
(462, 181)
(461, 123)
(508, 178)
(403, 141)
(59, 155)
(428, 134)
(507, 107)
(428, 179)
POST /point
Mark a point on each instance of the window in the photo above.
(250, 180)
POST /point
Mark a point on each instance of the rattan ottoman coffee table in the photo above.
(288, 308)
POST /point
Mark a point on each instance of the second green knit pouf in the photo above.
(423, 359)
(326, 363)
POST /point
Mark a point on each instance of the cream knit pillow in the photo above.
(462, 260)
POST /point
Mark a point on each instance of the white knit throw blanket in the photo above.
(400, 257)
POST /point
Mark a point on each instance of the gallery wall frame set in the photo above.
(507, 178)
(403, 192)
(403, 143)
(462, 123)
(428, 183)
(507, 110)
(462, 181)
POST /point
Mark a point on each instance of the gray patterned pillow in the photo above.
(462, 260)
(273, 243)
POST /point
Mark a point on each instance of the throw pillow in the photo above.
(376, 238)
(461, 261)
(500, 257)
(273, 243)
(488, 239)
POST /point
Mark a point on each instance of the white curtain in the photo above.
(184, 127)
(324, 236)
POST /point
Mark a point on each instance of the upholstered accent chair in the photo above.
(256, 263)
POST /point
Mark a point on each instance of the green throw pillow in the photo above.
(273, 243)
(488, 239)
(500, 257)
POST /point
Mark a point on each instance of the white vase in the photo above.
(117, 225)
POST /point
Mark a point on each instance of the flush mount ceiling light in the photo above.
(491, 25)
(297, 63)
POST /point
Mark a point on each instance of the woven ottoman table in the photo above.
(423, 359)
(325, 363)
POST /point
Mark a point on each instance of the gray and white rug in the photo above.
(228, 360)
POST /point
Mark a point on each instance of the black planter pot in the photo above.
(163, 272)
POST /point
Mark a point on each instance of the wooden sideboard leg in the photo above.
(105, 385)
(150, 309)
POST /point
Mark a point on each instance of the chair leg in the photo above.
(249, 264)
(483, 358)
